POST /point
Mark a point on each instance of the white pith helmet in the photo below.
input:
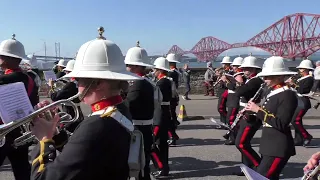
(226, 60)
(209, 64)
(12, 48)
(161, 63)
(70, 66)
(173, 58)
(250, 62)
(274, 66)
(62, 63)
(137, 56)
(316, 73)
(101, 59)
(237, 61)
(306, 64)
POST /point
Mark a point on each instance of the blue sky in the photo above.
(156, 24)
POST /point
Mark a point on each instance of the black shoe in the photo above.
(158, 174)
(307, 141)
(229, 142)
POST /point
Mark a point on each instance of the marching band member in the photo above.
(232, 99)
(276, 114)
(303, 87)
(69, 89)
(11, 54)
(223, 90)
(316, 75)
(248, 128)
(99, 147)
(140, 98)
(60, 66)
(208, 79)
(162, 127)
(174, 74)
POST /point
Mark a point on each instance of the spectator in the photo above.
(208, 79)
(186, 78)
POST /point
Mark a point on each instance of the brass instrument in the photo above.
(27, 136)
(312, 174)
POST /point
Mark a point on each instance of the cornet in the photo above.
(27, 136)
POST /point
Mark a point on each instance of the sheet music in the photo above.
(49, 75)
(14, 102)
(251, 174)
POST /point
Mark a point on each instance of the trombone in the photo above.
(312, 174)
(27, 136)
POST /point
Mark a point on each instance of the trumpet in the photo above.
(24, 123)
(312, 174)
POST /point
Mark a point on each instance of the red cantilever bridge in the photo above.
(293, 36)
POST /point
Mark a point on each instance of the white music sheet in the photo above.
(14, 102)
(251, 174)
(49, 75)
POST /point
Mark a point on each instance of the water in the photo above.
(192, 62)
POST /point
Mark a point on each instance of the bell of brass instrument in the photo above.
(312, 174)
(27, 136)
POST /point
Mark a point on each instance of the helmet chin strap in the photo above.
(85, 91)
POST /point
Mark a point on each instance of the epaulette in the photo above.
(109, 111)
(113, 112)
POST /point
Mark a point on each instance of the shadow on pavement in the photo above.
(293, 170)
(197, 142)
(195, 126)
(193, 167)
(311, 126)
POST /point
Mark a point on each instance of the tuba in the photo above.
(25, 122)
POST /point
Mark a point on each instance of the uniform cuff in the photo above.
(47, 154)
(262, 114)
(60, 139)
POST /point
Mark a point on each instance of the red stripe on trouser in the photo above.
(273, 167)
(156, 158)
(170, 134)
(232, 116)
(222, 105)
(241, 146)
(299, 124)
(155, 130)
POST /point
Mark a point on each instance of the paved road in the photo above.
(200, 154)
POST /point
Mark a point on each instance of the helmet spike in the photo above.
(101, 31)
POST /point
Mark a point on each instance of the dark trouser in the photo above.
(231, 116)
(208, 88)
(19, 160)
(147, 141)
(248, 128)
(188, 88)
(271, 167)
(222, 109)
(175, 122)
(300, 132)
(164, 149)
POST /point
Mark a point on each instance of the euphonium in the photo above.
(27, 136)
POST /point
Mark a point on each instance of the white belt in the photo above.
(266, 125)
(243, 104)
(230, 91)
(165, 103)
(300, 95)
(142, 122)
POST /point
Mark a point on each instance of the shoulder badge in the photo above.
(108, 112)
